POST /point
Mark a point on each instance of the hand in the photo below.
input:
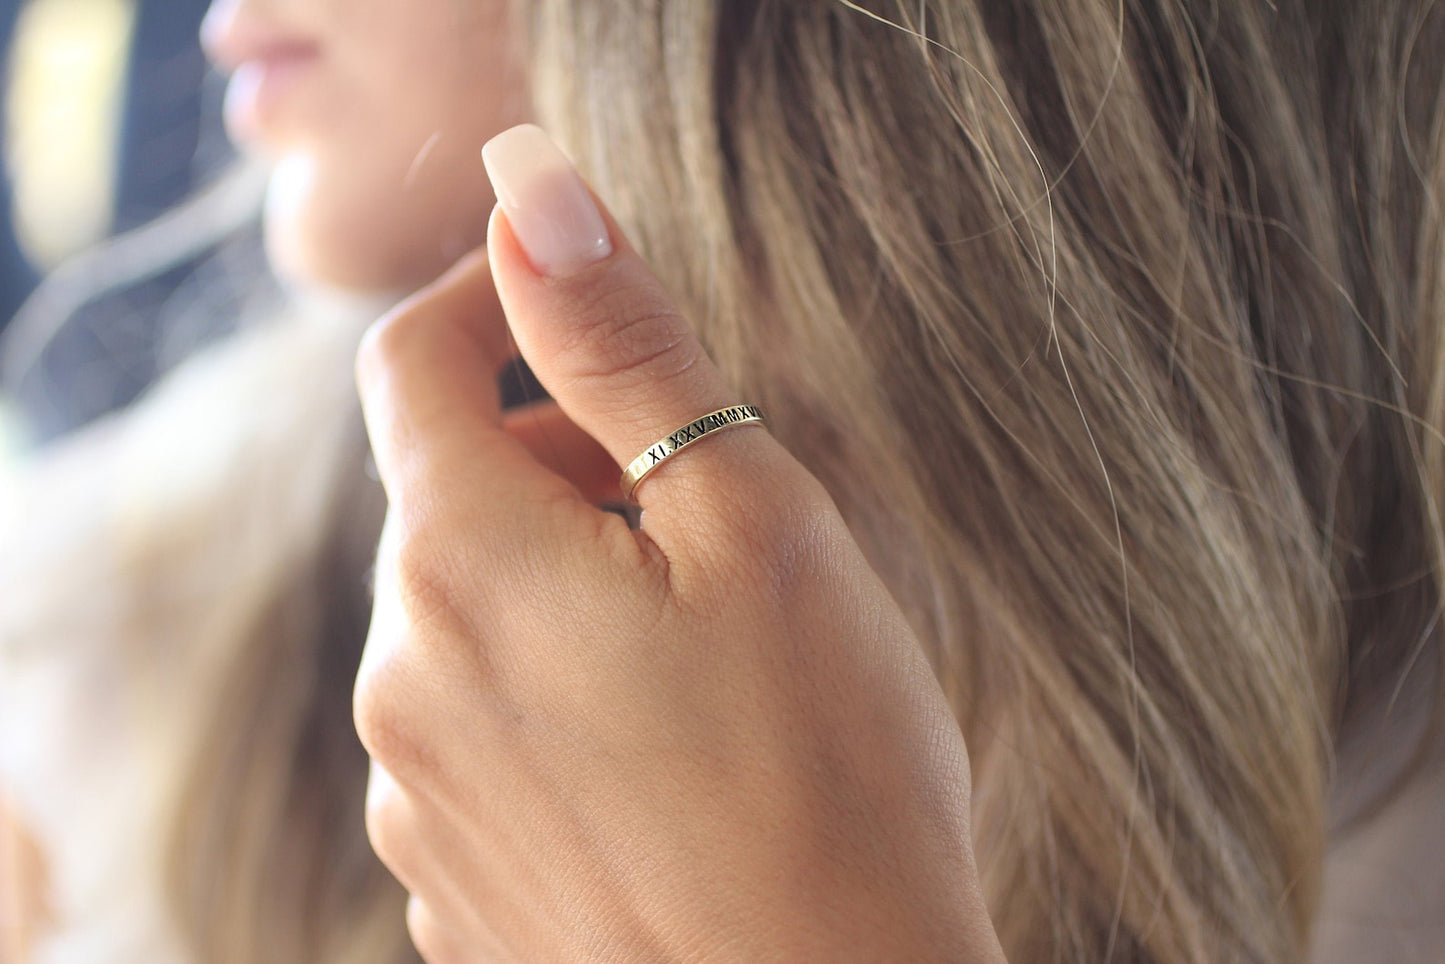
(715, 737)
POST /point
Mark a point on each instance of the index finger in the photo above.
(426, 374)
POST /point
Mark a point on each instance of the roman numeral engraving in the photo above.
(682, 437)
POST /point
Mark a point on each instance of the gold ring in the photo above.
(660, 451)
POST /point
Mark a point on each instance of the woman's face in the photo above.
(374, 113)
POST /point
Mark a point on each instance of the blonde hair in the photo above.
(1114, 329)
(1145, 299)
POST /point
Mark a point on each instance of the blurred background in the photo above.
(111, 120)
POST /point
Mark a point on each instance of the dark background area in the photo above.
(169, 143)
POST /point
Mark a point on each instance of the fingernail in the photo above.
(549, 208)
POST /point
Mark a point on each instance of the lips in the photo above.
(232, 37)
(268, 64)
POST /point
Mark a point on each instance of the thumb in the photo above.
(603, 336)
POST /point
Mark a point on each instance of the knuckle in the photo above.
(790, 534)
(384, 721)
(392, 338)
(381, 345)
(424, 582)
(427, 933)
(633, 328)
(388, 827)
(776, 544)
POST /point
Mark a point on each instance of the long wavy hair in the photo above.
(1115, 330)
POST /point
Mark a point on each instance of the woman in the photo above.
(1112, 333)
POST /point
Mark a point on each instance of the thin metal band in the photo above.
(660, 451)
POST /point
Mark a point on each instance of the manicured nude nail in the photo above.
(545, 201)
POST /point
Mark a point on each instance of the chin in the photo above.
(319, 235)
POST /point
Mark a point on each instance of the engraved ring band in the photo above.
(662, 450)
